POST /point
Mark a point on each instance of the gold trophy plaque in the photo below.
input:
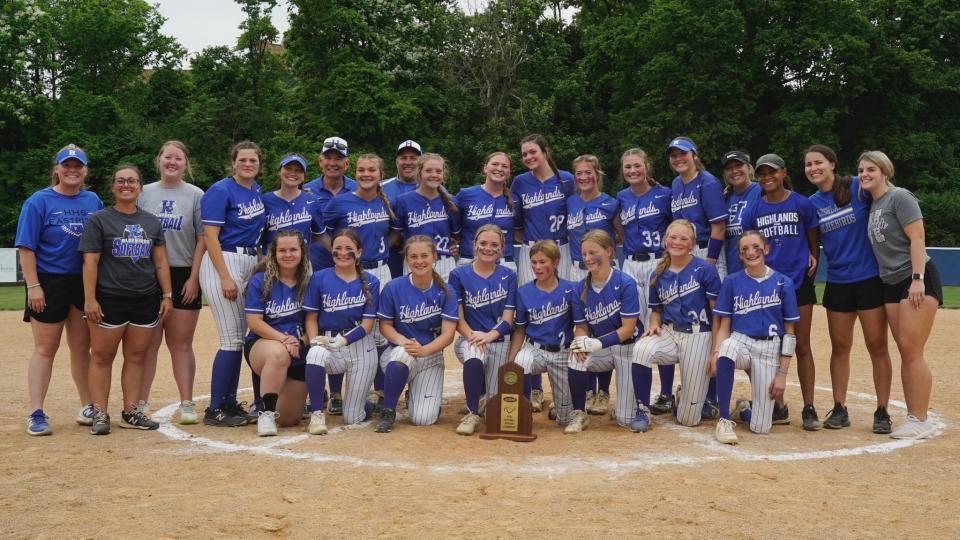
(509, 415)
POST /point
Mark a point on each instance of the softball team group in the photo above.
(342, 294)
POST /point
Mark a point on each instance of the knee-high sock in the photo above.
(336, 383)
(712, 390)
(316, 377)
(226, 372)
(578, 388)
(255, 381)
(592, 384)
(378, 378)
(527, 385)
(724, 385)
(538, 382)
(394, 380)
(603, 381)
(642, 381)
(473, 383)
(666, 379)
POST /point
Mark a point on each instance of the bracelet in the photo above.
(33, 286)
(783, 370)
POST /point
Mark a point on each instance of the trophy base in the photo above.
(509, 437)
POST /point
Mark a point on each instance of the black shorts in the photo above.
(807, 293)
(178, 277)
(119, 310)
(852, 297)
(297, 372)
(60, 291)
(893, 294)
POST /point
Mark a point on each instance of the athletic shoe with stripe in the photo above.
(662, 405)
(38, 423)
(837, 417)
(781, 414)
(725, 433)
(221, 417)
(710, 410)
(85, 415)
(134, 419)
(188, 413)
(811, 421)
(386, 421)
(101, 423)
(318, 423)
(536, 400)
(641, 420)
(335, 406)
(579, 420)
(267, 424)
(881, 421)
(743, 411)
(468, 425)
(239, 410)
(914, 428)
(601, 404)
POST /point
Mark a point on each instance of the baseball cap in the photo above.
(410, 144)
(290, 158)
(771, 160)
(682, 143)
(335, 143)
(71, 152)
(735, 155)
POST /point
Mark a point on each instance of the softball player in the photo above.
(48, 231)
(290, 207)
(233, 217)
(741, 192)
(404, 182)
(486, 294)
(683, 290)
(789, 223)
(341, 306)
(274, 347)
(543, 327)
(430, 211)
(487, 203)
(605, 311)
(418, 316)
(758, 304)
(334, 161)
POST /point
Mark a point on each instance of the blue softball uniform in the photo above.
(682, 297)
(484, 299)
(320, 257)
(542, 210)
(417, 214)
(784, 225)
(736, 204)
(280, 310)
(843, 234)
(547, 316)
(394, 189)
(603, 310)
(583, 216)
(370, 219)
(477, 208)
(416, 313)
(51, 224)
(238, 211)
(699, 201)
(758, 308)
(302, 214)
(644, 219)
(341, 305)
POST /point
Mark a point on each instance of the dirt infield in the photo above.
(196, 481)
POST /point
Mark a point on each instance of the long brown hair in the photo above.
(380, 194)
(355, 238)
(544, 147)
(437, 278)
(665, 261)
(647, 164)
(841, 184)
(602, 239)
(271, 270)
(444, 195)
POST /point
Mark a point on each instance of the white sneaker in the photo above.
(481, 406)
(469, 424)
(85, 415)
(536, 400)
(188, 413)
(267, 424)
(318, 423)
(578, 422)
(913, 428)
(725, 432)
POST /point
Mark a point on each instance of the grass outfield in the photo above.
(11, 297)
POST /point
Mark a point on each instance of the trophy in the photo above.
(509, 415)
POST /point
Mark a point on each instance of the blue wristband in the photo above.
(503, 327)
(714, 247)
(609, 339)
(355, 335)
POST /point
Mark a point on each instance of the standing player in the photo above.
(290, 207)
(233, 218)
(487, 203)
(486, 294)
(683, 291)
(333, 181)
(789, 223)
(543, 327)
(177, 204)
(418, 316)
(341, 306)
(741, 192)
(605, 311)
(429, 211)
(48, 231)
(759, 305)
(404, 182)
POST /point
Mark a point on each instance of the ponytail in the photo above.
(386, 202)
(841, 190)
(363, 282)
(661, 267)
(438, 281)
(447, 201)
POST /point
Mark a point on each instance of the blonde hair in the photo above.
(186, 157)
(490, 227)
(380, 194)
(54, 177)
(506, 187)
(421, 162)
(271, 270)
(424, 239)
(647, 164)
(591, 160)
(665, 261)
(602, 239)
(881, 160)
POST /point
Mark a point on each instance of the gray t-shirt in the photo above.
(178, 210)
(889, 214)
(125, 243)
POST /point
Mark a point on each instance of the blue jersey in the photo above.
(51, 224)
(603, 311)
(238, 211)
(682, 297)
(785, 225)
(418, 215)
(699, 201)
(280, 309)
(484, 299)
(541, 207)
(547, 316)
(341, 305)
(843, 233)
(302, 214)
(393, 188)
(416, 313)
(758, 307)
(320, 257)
(583, 216)
(477, 208)
(736, 204)
(644, 219)
(370, 219)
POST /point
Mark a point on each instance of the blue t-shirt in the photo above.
(583, 216)
(394, 188)
(758, 307)
(603, 311)
(320, 257)
(784, 225)
(843, 234)
(280, 309)
(683, 297)
(418, 215)
(341, 305)
(238, 211)
(644, 219)
(301, 214)
(484, 299)
(542, 210)
(736, 204)
(370, 219)
(416, 313)
(699, 201)
(547, 316)
(51, 224)
(478, 208)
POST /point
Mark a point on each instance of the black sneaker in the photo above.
(101, 423)
(811, 422)
(385, 423)
(238, 410)
(781, 414)
(221, 417)
(881, 421)
(662, 405)
(837, 417)
(134, 419)
(335, 407)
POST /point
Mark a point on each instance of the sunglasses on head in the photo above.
(339, 145)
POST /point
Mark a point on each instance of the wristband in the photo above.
(788, 345)
(609, 339)
(503, 327)
(33, 286)
(355, 335)
(714, 247)
(783, 370)
(168, 295)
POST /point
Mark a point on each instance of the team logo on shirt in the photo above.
(170, 219)
(735, 221)
(779, 224)
(250, 209)
(367, 217)
(638, 212)
(485, 297)
(70, 221)
(275, 310)
(287, 218)
(548, 312)
(420, 312)
(479, 213)
(684, 202)
(541, 197)
(601, 312)
(832, 218)
(676, 290)
(342, 301)
(755, 301)
(427, 215)
(878, 226)
(133, 245)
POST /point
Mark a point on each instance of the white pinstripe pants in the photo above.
(495, 357)
(620, 359)
(359, 362)
(692, 352)
(227, 314)
(425, 383)
(535, 361)
(762, 358)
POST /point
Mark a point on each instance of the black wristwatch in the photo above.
(917, 277)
